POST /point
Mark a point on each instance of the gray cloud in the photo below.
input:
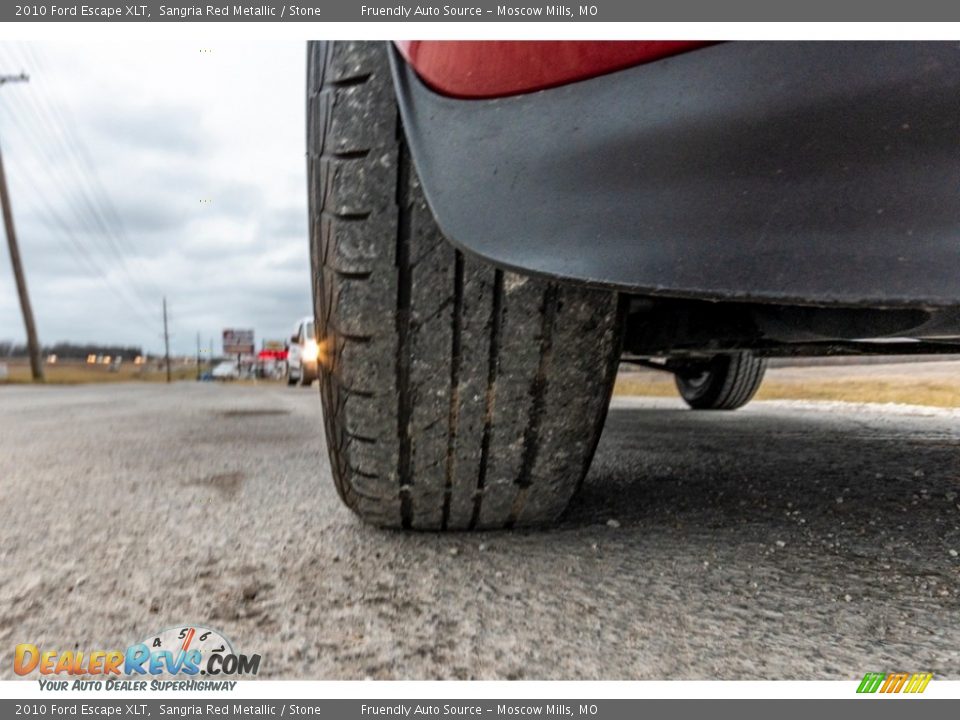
(171, 130)
(200, 158)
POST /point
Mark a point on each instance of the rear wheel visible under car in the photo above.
(455, 395)
(723, 382)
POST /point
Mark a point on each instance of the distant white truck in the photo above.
(303, 353)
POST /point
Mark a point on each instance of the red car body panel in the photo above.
(794, 173)
(488, 69)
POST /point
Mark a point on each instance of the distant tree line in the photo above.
(67, 350)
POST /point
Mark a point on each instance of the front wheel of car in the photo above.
(723, 382)
(455, 395)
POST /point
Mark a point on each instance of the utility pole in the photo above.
(33, 345)
(166, 338)
(198, 356)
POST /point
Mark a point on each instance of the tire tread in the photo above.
(447, 403)
(732, 382)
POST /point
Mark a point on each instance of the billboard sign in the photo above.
(237, 342)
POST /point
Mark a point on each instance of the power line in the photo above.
(90, 191)
(41, 196)
(82, 192)
(62, 117)
(77, 248)
(85, 202)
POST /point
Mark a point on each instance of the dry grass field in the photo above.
(77, 372)
(934, 384)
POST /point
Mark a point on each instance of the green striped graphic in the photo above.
(871, 682)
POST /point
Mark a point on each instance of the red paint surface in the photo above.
(485, 69)
(272, 355)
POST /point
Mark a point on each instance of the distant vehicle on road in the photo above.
(302, 355)
(226, 370)
(495, 226)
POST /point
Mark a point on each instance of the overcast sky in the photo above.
(174, 170)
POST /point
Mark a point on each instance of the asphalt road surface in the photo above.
(783, 541)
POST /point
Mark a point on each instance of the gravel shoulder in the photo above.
(783, 541)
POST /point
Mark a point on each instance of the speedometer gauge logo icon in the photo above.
(190, 638)
(190, 650)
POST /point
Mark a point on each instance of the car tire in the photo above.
(291, 380)
(455, 395)
(724, 382)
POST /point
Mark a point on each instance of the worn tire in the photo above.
(455, 395)
(724, 382)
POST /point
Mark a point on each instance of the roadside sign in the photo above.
(237, 342)
(274, 345)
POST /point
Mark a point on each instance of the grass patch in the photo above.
(80, 373)
(875, 390)
(896, 389)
